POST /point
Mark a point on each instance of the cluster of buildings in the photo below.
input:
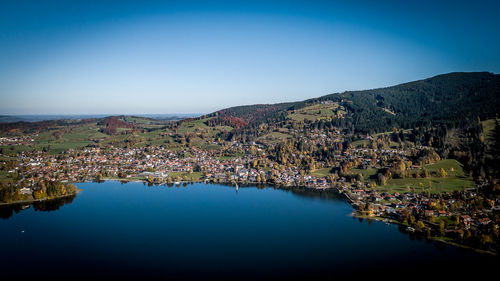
(455, 214)
(17, 140)
(158, 163)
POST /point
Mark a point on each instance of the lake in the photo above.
(206, 231)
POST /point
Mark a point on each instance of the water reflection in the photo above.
(325, 194)
(7, 211)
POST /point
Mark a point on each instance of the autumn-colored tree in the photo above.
(420, 225)
(442, 173)
(441, 228)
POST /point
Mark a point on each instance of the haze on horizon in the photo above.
(133, 57)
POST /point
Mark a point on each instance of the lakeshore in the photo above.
(31, 201)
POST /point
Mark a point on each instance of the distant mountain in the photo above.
(42, 117)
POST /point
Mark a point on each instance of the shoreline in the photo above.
(435, 239)
(23, 202)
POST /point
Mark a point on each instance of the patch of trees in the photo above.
(51, 189)
(111, 124)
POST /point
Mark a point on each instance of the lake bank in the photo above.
(31, 201)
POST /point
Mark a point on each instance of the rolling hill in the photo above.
(451, 100)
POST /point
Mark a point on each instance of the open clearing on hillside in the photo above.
(323, 172)
(456, 180)
(488, 127)
(274, 137)
(317, 111)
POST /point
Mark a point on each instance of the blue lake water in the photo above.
(204, 231)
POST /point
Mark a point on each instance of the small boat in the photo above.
(410, 229)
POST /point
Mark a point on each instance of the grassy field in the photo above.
(229, 157)
(451, 166)
(488, 127)
(61, 139)
(314, 112)
(139, 120)
(360, 143)
(210, 146)
(274, 137)
(199, 125)
(191, 126)
(456, 180)
(436, 185)
(12, 150)
(321, 172)
(367, 173)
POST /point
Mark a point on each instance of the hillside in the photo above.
(452, 100)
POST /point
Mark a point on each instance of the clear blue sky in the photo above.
(114, 57)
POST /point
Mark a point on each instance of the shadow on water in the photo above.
(45, 206)
(324, 194)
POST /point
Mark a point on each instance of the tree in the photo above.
(424, 173)
(495, 231)
(382, 180)
(442, 173)
(5, 195)
(420, 225)
(441, 228)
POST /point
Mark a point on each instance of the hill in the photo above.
(451, 100)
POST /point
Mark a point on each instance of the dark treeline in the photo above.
(111, 124)
(450, 100)
(7, 211)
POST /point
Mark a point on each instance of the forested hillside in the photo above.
(452, 100)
